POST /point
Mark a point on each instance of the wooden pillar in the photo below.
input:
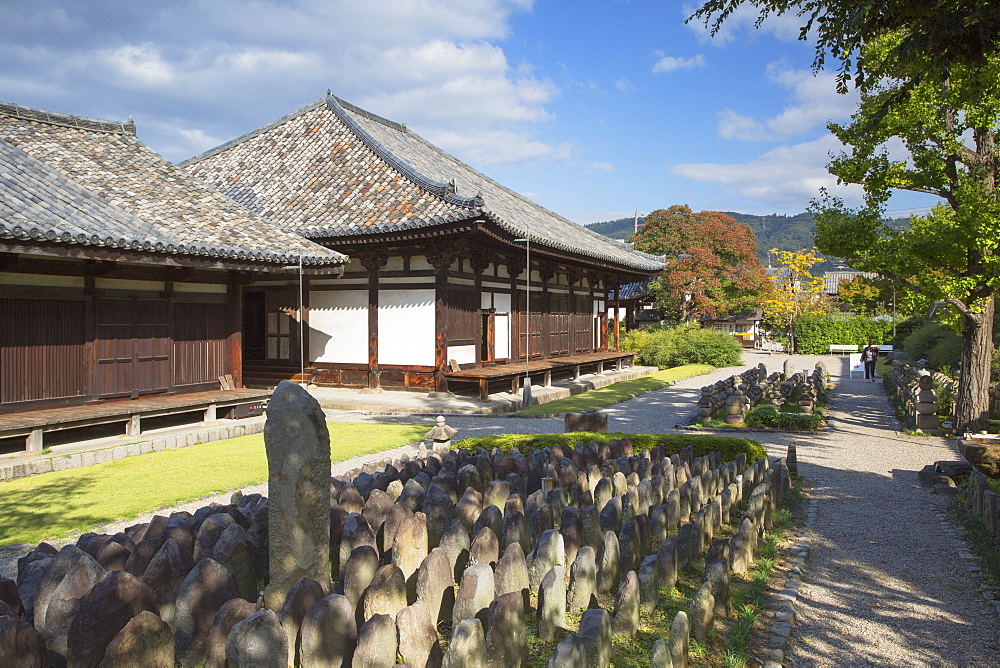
(441, 258)
(234, 329)
(572, 276)
(546, 272)
(304, 322)
(373, 263)
(617, 316)
(479, 264)
(604, 313)
(515, 266)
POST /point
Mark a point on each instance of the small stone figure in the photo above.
(441, 435)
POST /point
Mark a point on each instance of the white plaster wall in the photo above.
(394, 263)
(10, 278)
(485, 300)
(501, 300)
(419, 262)
(338, 326)
(152, 286)
(462, 354)
(406, 327)
(501, 340)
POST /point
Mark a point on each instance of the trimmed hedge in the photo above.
(815, 334)
(728, 446)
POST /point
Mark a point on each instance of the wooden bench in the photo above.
(839, 349)
(515, 371)
(34, 424)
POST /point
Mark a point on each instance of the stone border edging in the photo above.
(14, 470)
(784, 615)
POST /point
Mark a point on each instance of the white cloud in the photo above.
(742, 24)
(787, 176)
(227, 66)
(141, 64)
(501, 147)
(736, 126)
(815, 102)
(624, 85)
(600, 167)
(673, 63)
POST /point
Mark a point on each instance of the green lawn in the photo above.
(619, 392)
(52, 504)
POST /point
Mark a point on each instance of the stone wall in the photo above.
(984, 503)
(915, 389)
(460, 536)
(737, 394)
(742, 392)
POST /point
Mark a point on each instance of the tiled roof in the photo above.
(73, 180)
(332, 169)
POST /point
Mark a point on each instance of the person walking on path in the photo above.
(868, 355)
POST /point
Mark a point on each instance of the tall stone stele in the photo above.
(298, 464)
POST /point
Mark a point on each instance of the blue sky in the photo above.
(595, 109)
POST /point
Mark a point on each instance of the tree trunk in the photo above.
(972, 405)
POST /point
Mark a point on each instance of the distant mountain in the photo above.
(773, 231)
(789, 233)
(615, 229)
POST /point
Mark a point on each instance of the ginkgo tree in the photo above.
(929, 122)
(797, 291)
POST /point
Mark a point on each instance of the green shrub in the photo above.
(669, 347)
(728, 446)
(946, 353)
(762, 415)
(905, 328)
(767, 415)
(799, 421)
(707, 346)
(815, 334)
(934, 341)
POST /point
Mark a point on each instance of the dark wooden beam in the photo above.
(373, 263)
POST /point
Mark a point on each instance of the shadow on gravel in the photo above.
(881, 589)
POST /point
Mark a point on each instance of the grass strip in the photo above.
(53, 504)
(619, 392)
(748, 592)
(979, 539)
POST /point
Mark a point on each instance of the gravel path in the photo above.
(884, 585)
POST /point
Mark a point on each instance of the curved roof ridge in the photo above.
(353, 108)
(250, 135)
(445, 191)
(67, 120)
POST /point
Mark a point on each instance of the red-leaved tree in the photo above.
(712, 271)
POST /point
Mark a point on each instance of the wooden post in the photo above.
(373, 263)
(617, 316)
(515, 266)
(234, 329)
(479, 264)
(304, 323)
(546, 272)
(441, 258)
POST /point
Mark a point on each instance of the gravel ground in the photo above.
(884, 586)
